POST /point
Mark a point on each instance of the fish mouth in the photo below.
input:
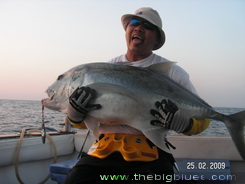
(51, 95)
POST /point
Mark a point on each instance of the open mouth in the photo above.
(46, 101)
(137, 40)
(50, 95)
(137, 37)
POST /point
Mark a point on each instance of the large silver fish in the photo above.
(127, 94)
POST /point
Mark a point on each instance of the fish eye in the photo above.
(60, 77)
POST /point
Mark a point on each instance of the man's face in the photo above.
(141, 36)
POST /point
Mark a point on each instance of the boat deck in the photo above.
(196, 152)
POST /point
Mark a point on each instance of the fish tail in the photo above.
(235, 124)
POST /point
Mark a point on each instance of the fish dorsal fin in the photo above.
(162, 67)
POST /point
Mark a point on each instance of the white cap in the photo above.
(151, 16)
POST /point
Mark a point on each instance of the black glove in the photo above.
(79, 105)
(170, 117)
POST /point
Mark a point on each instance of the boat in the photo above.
(28, 160)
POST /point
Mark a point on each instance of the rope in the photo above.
(84, 142)
(17, 154)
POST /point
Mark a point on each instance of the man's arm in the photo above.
(198, 126)
(180, 76)
(79, 106)
(170, 117)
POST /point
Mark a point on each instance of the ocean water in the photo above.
(18, 114)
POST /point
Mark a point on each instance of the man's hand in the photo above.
(170, 117)
(79, 105)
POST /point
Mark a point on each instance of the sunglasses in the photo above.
(146, 24)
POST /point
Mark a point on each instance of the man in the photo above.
(122, 150)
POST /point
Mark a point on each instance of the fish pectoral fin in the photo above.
(115, 101)
(109, 88)
(157, 135)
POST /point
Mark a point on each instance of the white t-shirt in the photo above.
(176, 73)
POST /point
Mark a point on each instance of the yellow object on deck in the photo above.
(132, 147)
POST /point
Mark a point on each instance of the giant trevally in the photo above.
(127, 94)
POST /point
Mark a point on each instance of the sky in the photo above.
(41, 39)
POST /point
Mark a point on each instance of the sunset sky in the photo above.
(40, 39)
